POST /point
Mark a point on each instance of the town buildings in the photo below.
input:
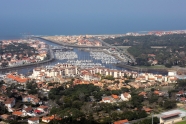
(81, 40)
(20, 57)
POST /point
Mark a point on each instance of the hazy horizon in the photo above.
(89, 17)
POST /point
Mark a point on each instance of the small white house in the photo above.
(125, 96)
(33, 120)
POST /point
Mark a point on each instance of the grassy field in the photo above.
(155, 67)
(182, 122)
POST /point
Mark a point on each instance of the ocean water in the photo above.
(17, 28)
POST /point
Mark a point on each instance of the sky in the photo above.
(51, 17)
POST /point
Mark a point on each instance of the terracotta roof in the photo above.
(171, 115)
(17, 78)
(159, 76)
(51, 118)
(17, 113)
(156, 92)
(147, 109)
(33, 119)
(106, 98)
(151, 79)
(121, 121)
(115, 96)
(142, 93)
(183, 99)
(180, 92)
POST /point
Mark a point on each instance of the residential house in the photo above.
(43, 108)
(183, 99)
(29, 111)
(33, 120)
(9, 103)
(180, 93)
(125, 96)
(144, 94)
(147, 110)
(159, 93)
(171, 118)
(122, 122)
(18, 113)
(116, 97)
(5, 117)
(30, 98)
(108, 99)
(47, 119)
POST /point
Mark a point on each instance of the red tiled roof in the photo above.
(17, 113)
(106, 98)
(183, 99)
(171, 115)
(121, 121)
(37, 111)
(180, 92)
(156, 92)
(147, 109)
(115, 96)
(33, 119)
(51, 118)
(142, 93)
(17, 78)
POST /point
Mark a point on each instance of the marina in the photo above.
(81, 58)
(60, 55)
(105, 58)
(72, 55)
(84, 63)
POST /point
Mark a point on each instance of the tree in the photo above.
(168, 104)
(168, 65)
(1, 83)
(77, 104)
(160, 99)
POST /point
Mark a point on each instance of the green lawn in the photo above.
(182, 122)
(154, 67)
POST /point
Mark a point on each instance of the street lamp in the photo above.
(152, 117)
